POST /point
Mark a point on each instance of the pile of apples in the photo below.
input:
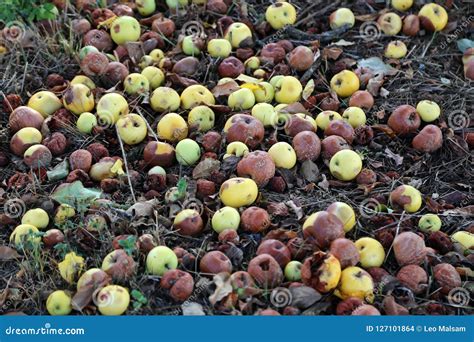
(269, 126)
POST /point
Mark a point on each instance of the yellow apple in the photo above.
(157, 55)
(280, 14)
(355, 116)
(82, 79)
(63, 213)
(237, 149)
(201, 117)
(136, 84)
(429, 223)
(341, 17)
(45, 102)
(164, 99)
(355, 282)
(241, 99)
(283, 155)
(265, 113)
(188, 152)
(110, 108)
(161, 259)
(310, 219)
(396, 49)
(464, 238)
(25, 234)
(288, 90)
(325, 117)
(195, 95)
(345, 83)
(402, 5)
(428, 110)
(132, 129)
(239, 35)
(371, 252)
(263, 92)
(238, 192)
(345, 213)
(433, 17)
(86, 122)
(345, 165)
(407, 197)
(219, 48)
(172, 127)
(112, 300)
(225, 218)
(36, 217)
(390, 23)
(252, 63)
(145, 7)
(125, 29)
(78, 99)
(59, 303)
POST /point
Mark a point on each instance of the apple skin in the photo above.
(433, 17)
(265, 113)
(362, 99)
(255, 220)
(429, 223)
(465, 239)
(409, 249)
(23, 139)
(215, 262)
(78, 99)
(45, 102)
(238, 192)
(266, 271)
(161, 259)
(293, 270)
(86, 122)
(201, 117)
(219, 48)
(280, 14)
(113, 300)
(390, 23)
(345, 83)
(23, 117)
(188, 222)
(132, 129)
(59, 303)
(179, 283)
(345, 165)
(36, 217)
(371, 252)
(401, 5)
(322, 228)
(136, 84)
(276, 249)
(164, 99)
(237, 149)
(225, 218)
(283, 155)
(333, 144)
(355, 282)
(407, 197)
(257, 165)
(231, 67)
(307, 146)
(288, 90)
(411, 25)
(429, 140)
(125, 29)
(345, 213)
(428, 110)
(355, 116)
(154, 75)
(110, 108)
(37, 156)
(342, 16)
(241, 99)
(404, 120)
(196, 95)
(341, 128)
(345, 251)
(244, 128)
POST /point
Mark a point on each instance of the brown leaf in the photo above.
(375, 84)
(309, 170)
(332, 53)
(280, 234)
(385, 129)
(398, 159)
(277, 209)
(225, 89)
(135, 50)
(223, 287)
(304, 296)
(178, 80)
(205, 168)
(7, 253)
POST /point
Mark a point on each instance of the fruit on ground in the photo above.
(195, 95)
(354, 116)
(293, 270)
(136, 84)
(345, 83)
(257, 165)
(110, 108)
(345, 213)
(125, 29)
(23, 139)
(146, 7)
(341, 17)
(321, 271)
(464, 238)
(244, 128)
(429, 223)
(409, 249)
(154, 75)
(265, 113)
(25, 234)
(428, 110)
(215, 262)
(219, 48)
(239, 35)
(371, 252)
(345, 251)
(157, 153)
(280, 14)
(238, 192)
(404, 119)
(237, 149)
(345, 165)
(288, 90)
(164, 99)
(283, 155)
(201, 117)
(390, 23)
(188, 152)
(407, 197)
(355, 282)
(78, 99)
(161, 259)
(321, 228)
(225, 218)
(307, 145)
(172, 127)
(132, 129)
(241, 99)
(86, 122)
(433, 17)
(37, 156)
(36, 217)
(112, 300)
(45, 102)
(188, 222)
(401, 5)
(59, 303)
(396, 49)
(23, 117)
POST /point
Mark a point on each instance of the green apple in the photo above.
(110, 108)
(237, 33)
(86, 122)
(161, 259)
(25, 233)
(342, 16)
(238, 192)
(252, 63)
(293, 270)
(371, 252)
(132, 129)
(189, 46)
(428, 110)
(157, 55)
(136, 84)
(219, 48)
(464, 238)
(263, 92)
(195, 95)
(276, 80)
(87, 50)
(154, 75)
(82, 79)
(36, 217)
(125, 29)
(63, 213)
(175, 4)
(78, 99)
(283, 155)
(188, 152)
(345, 165)
(145, 7)
(225, 218)
(157, 170)
(201, 117)
(288, 90)
(59, 303)
(241, 99)
(429, 223)
(355, 116)
(265, 113)
(164, 99)
(280, 14)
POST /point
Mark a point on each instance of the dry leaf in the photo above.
(223, 287)
(7, 253)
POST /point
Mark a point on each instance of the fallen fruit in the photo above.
(341, 17)
(238, 192)
(36, 217)
(407, 197)
(215, 262)
(125, 29)
(161, 259)
(409, 248)
(429, 223)
(266, 271)
(355, 282)
(225, 218)
(188, 222)
(371, 252)
(59, 303)
(321, 271)
(345, 83)
(112, 300)
(180, 284)
(280, 14)
(433, 17)
(283, 155)
(188, 152)
(345, 165)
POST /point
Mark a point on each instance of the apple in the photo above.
(429, 223)
(157, 170)
(288, 90)
(112, 300)
(325, 117)
(164, 99)
(310, 219)
(125, 29)
(371, 252)
(345, 165)
(341, 17)
(82, 79)
(355, 116)
(110, 108)
(239, 35)
(293, 270)
(241, 99)
(277, 249)
(157, 55)
(59, 303)
(202, 118)
(396, 49)
(176, 4)
(401, 5)
(180, 284)
(25, 234)
(345, 83)
(238, 192)
(407, 197)
(225, 218)
(136, 84)
(188, 152)
(157, 153)
(132, 129)
(63, 213)
(172, 127)
(146, 7)
(280, 14)
(23, 139)
(52, 237)
(86, 122)
(191, 45)
(78, 99)
(345, 251)
(464, 238)
(215, 262)
(345, 213)
(119, 265)
(103, 169)
(161, 259)
(263, 92)
(266, 271)
(237, 149)
(36, 217)
(92, 277)
(45, 102)
(219, 48)
(84, 51)
(362, 99)
(244, 128)
(37, 156)
(154, 75)
(409, 248)
(231, 67)
(340, 128)
(283, 155)
(428, 110)
(355, 282)
(255, 220)
(411, 25)
(433, 17)
(390, 23)
(404, 120)
(260, 74)
(195, 95)
(321, 271)
(257, 165)
(265, 113)
(252, 63)
(188, 222)
(22, 117)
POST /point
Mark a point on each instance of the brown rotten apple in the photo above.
(231, 67)
(23, 117)
(37, 156)
(157, 153)
(333, 144)
(409, 248)
(266, 271)
(215, 262)
(255, 220)
(298, 123)
(341, 128)
(273, 53)
(244, 128)
(301, 58)
(345, 251)
(362, 99)
(404, 120)
(307, 145)
(99, 39)
(179, 283)
(326, 228)
(257, 165)
(321, 271)
(429, 139)
(277, 250)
